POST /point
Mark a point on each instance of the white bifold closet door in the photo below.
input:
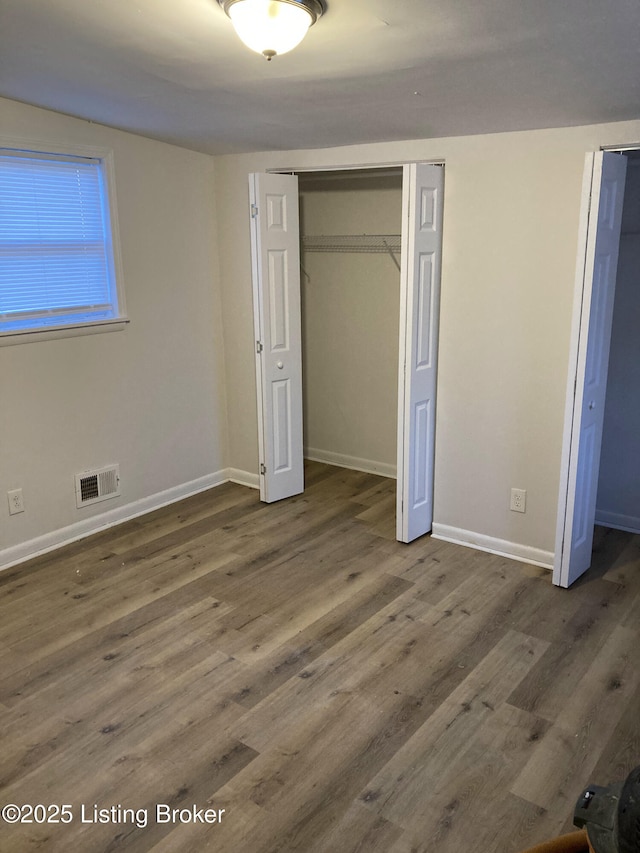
(275, 249)
(422, 189)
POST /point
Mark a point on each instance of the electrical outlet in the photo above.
(16, 504)
(518, 500)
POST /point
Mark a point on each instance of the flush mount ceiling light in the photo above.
(272, 27)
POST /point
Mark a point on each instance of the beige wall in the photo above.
(350, 316)
(151, 397)
(511, 214)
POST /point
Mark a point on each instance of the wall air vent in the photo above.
(98, 485)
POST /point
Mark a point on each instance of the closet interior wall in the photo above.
(618, 501)
(350, 317)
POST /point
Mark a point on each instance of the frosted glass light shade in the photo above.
(270, 27)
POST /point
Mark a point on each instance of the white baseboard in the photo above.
(243, 478)
(629, 523)
(81, 529)
(502, 547)
(353, 462)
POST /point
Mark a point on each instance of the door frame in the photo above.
(381, 167)
(579, 333)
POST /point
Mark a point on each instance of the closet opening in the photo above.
(350, 252)
(618, 493)
(371, 317)
(602, 511)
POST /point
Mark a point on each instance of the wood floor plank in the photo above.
(454, 817)
(552, 683)
(397, 791)
(381, 517)
(358, 831)
(104, 602)
(440, 567)
(621, 754)
(320, 636)
(306, 780)
(568, 753)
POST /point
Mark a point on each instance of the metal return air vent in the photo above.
(98, 485)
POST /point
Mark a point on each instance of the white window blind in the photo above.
(56, 263)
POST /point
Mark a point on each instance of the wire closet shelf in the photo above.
(368, 243)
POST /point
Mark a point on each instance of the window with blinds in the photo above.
(56, 251)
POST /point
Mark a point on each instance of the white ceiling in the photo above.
(367, 71)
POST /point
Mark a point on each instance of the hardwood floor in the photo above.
(332, 690)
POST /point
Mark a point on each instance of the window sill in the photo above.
(52, 334)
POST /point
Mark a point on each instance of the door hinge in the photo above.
(263, 469)
(254, 211)
(259, 346)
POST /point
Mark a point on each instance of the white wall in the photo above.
(511, 213)
(150, 397)
(618, 502)
(350, 317)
